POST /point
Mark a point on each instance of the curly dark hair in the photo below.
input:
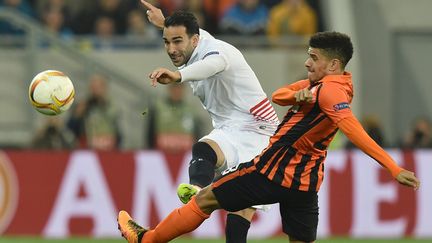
(186, 19)
(334, 44)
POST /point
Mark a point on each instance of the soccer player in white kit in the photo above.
(242, 116)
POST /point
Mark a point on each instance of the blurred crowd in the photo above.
(173, 125)
(94, 121)
(127, 18)
(418, 136)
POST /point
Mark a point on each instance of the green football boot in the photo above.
(186, 191)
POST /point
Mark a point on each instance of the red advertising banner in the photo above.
(59, 194)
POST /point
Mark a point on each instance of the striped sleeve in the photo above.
(264, 111)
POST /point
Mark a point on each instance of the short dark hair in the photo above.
(335, 45)
(186, 19)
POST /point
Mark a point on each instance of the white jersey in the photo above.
(233, 97)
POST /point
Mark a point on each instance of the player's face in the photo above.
(317, 65)
(178, 44)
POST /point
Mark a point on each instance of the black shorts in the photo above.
(242, 187)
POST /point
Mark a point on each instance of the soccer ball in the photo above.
(51, 92)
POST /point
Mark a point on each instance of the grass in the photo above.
(187, 240)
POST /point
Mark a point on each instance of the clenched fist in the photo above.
(304, 95)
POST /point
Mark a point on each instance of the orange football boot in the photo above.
(129, 229)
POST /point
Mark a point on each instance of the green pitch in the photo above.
(186, 240)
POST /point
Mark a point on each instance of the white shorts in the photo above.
(238, 147)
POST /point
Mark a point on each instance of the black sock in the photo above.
(202, 165)
(236, 229)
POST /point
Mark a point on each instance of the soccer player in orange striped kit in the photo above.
(290, 170)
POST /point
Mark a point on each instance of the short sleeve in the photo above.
(335, 102)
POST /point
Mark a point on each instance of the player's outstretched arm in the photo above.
(352, 128)
(204, 69)
(156, 17)
(154, 14)
(164, 76)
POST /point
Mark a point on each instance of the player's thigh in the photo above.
(248, 144)
(299, 213)
(206, 200)
(239, 188)
(237, 146)
(220, 142)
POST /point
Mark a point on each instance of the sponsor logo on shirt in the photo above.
(341, 106)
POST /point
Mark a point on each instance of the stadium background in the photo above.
(393, 44)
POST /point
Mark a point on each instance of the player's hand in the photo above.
(164, 76)
(154, 15)
(304, 95)
(407, 178)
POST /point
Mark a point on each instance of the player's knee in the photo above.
(206, 200)
(202, 165)
(247, 213)
(202, 150)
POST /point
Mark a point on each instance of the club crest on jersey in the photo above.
(341, 106)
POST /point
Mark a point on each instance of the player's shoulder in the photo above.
(212, 46)
(331, 89)
(332, 81)
(205, 35)
(213, 43)
(329, 85)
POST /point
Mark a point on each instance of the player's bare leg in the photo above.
(237, 223)
(206, 156)
(180, 221)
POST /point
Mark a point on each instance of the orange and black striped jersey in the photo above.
(295, 156)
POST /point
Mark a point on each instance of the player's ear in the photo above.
(195, 39)
(335, 64)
